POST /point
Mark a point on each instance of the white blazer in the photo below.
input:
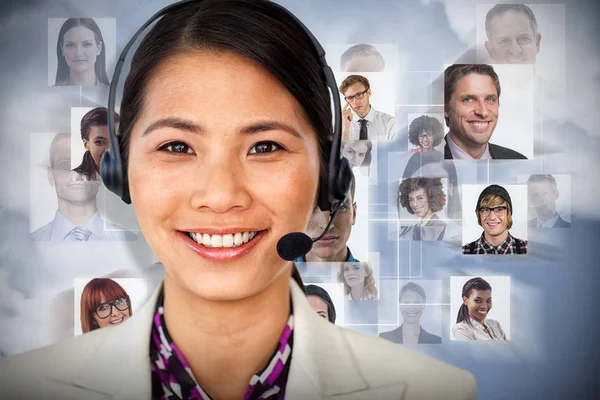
(328, 362)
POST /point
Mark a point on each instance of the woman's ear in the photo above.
(86, 144)
(99, 48)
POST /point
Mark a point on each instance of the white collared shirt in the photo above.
(460, 154)
(476, 330)
(60, 229)
(381, 126)
(546, 224)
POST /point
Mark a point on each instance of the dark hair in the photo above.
(96, 117)
(351, 80)
(62, 72)
(455, 72)
(419, 160)
(413, 287)
(468, 287)
(361, 50)
(540, 178)
(257, 29)
(314, 290)
(367, 160)
(425, 123)
(436, 198)
(502, 8)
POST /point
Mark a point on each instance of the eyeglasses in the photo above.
(105, 309)
(358, 96)
(498, 211)
(425, 135)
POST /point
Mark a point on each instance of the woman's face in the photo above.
(80, 49)
(97, 142)
(114, 316)
(479, 304)
(418, 202)
(354, 274)
(411, 306)
(426, 141)
(355, 152)
(222, 164)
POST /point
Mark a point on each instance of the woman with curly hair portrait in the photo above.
(424, 197)
(358, 280)
(425, 133)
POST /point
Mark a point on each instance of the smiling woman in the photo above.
(224, 139)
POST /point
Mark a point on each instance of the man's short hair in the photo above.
(491, 201)
(352, 188)
(53, 146)
(541, 177)
(351, 80)
(499, 9)
(455, 72)
(361, 50)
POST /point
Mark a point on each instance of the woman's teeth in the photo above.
(228, 240)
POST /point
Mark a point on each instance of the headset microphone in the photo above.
(297, 244)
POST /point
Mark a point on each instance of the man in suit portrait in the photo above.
(471, 108)
(543, 193)
(77, 218)
(512, 33)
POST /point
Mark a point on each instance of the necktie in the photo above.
(363, 129)
(81, 234)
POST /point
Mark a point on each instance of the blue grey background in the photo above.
(554, 313)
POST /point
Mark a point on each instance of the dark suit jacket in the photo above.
(497, 152)
(560, 223)
(424, 336)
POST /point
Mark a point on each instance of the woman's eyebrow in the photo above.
(176, 123)
(189, 126)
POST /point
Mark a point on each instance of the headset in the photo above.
(332, 190)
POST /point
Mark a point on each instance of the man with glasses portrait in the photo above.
(494, 214)
(360, 121)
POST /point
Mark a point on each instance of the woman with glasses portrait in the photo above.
(104, 303)
(426, 133)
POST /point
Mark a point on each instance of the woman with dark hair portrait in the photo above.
(412, 300)
(424, 198)
(358, 280)
(219, 168)
(432, 165)
(104, 303)
(358, 152)
(94, 134)
(471, 321)
(426, 133)
(81, 54)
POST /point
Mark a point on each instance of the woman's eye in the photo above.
(264, 147)
(177, 147)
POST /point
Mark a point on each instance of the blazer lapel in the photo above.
(323, 364)
(447, 152)
(124, 352)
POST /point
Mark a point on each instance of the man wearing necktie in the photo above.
(360, 121)
(77, 218)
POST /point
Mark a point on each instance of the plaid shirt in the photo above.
(511, 245)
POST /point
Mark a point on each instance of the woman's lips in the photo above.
(220, 253)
